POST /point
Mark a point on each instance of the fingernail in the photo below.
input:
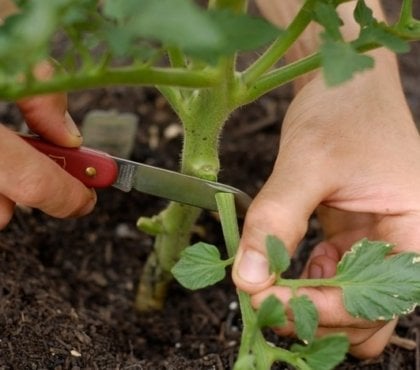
(253, 267)
(315, 271)
(71, 125)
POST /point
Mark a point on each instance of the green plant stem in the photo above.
(174, 97)
(278, 77)
(176, 57)
(277, 50)
(151, 76)
(254, 351)
(406, 14)
(172, 228)
(294, 284)
(227, 216)
(203, 114)
(288, 73)
(407, 26)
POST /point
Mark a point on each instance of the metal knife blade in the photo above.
(175, 186)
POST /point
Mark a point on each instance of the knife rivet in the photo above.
(90, 171)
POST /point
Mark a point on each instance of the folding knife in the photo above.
(98, 169)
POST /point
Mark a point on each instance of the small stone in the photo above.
(173, 131)
(233, 306)
(75, 353)
(110, 131)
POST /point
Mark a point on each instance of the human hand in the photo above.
(29, 177)
(353, 149)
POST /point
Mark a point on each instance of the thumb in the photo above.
(47, 115)
(282, 208)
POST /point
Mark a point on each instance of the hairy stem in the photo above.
(203, 114)
(151, 76)
(172, 230)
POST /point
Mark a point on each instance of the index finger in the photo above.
(47, 115)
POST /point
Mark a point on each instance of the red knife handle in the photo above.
(93, 168)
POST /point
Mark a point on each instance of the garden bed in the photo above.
(67, 286)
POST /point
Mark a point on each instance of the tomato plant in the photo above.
(189, 51)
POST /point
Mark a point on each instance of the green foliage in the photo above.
(199, 266)
(189, 52)
(341, 61)
(25, 37)
(326, 15)
(325, 353)
(306, 318)
(170, 22)
(278, 256)
(242, 32)
(372, 31)
(136, 30)
(376, 285)
(271, 313)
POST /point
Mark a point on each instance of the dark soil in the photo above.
(67, 286)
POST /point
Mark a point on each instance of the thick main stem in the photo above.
(203, 116)
(172, 228)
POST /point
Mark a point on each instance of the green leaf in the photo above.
(341, 61)
(278, 255)
(199, 266)
(242, 32)
(326, 15)
(324, 353)
(363, 14)
(26, 37)
(376, 32)
(271, 313)
(377, 286)
(380, 34)
(306, 318)
(173, 22)
(182, 24)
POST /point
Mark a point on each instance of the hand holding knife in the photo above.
(98, 169)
